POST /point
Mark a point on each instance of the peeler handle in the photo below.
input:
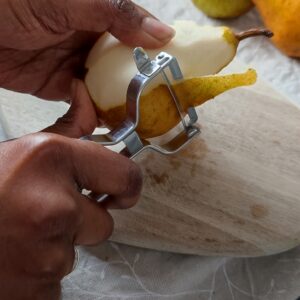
(171, 147)
(100, 198)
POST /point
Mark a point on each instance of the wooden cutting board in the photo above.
(234, 191)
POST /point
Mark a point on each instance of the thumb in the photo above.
(81, 118)
(125, 20)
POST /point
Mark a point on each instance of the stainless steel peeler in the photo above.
(126, 132)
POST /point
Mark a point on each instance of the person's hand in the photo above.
(43, 214)
(44, 43)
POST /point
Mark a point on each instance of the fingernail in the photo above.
(157, 29)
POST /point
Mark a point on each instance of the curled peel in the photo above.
(158, 113)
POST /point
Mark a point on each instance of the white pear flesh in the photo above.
(200, 50)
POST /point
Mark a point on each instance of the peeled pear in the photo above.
(224, 9)
(200, 50)
(282, 17)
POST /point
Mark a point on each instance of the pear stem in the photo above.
(253, 32)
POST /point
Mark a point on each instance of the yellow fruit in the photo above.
(201, 51)
(282, 17)
(224, 9)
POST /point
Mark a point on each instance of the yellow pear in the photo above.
(282, 17)
(200, 50)
(224, 9)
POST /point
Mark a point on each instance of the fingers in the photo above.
(48, 259)
(124, 19)
(104, 172)
(92, 167)
(96, 225)
(136, 27)
(81, 118)
(89, 166)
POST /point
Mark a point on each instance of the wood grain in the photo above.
(234, 191)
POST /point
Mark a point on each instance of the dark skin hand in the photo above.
(43, 215)
(43, 43)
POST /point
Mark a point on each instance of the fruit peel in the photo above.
(157, 108)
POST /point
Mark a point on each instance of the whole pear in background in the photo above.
(224, 9)
(282, 17)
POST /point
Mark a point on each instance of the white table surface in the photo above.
(113, 271)
(2, 133)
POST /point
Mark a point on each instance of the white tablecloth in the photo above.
(113, 271)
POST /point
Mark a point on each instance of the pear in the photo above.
(201, 51)
(282, 17)
(223, 9)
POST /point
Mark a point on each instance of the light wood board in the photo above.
(234, 191)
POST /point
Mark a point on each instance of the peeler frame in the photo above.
(126, 132)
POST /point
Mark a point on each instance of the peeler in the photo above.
(125, 133)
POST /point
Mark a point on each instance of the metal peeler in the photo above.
(126, 132)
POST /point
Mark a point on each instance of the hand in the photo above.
(43, 214)
(44, 43)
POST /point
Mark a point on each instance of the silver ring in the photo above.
(76, 259)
